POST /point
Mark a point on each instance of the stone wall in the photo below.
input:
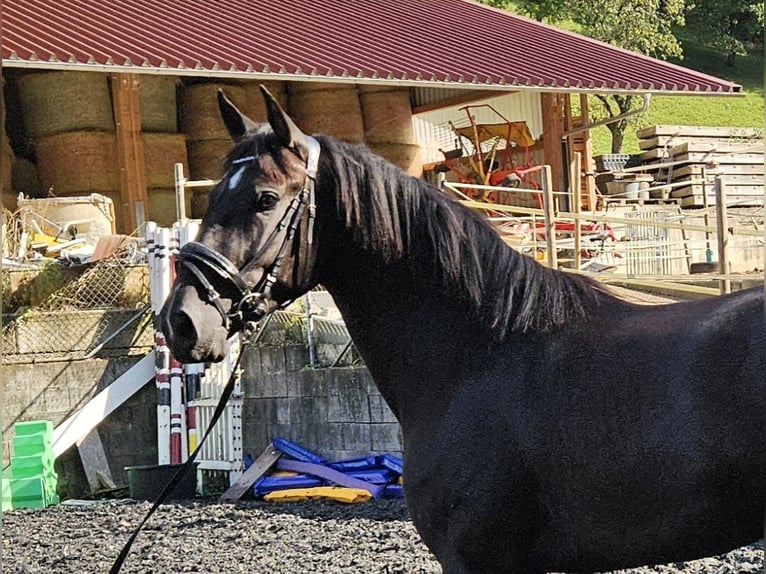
(336, 412)
(55, 390)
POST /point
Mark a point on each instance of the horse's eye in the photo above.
(268, 201)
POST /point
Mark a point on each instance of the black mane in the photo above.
(399, 216)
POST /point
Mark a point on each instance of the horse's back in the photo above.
(634, 438)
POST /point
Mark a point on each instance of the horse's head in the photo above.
(254, 251)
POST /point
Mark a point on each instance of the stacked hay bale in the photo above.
(6, 159)
(327, 108)
(163, 146)
(68, 121)
(68, 118)
(207, 140)
(387, 116)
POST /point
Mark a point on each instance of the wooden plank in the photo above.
(256, 470)
(732, 190)
(717, 147)
(697, 131)
(670, 141)
(130, 149)
(718, 158)
(102, 405)
(754, 171)
(697, 200)
(95, 463)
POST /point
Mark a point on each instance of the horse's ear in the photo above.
(236, 122)
(288, 134)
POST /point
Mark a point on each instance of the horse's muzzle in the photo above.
(192, 327)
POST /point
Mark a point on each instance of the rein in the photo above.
(251, 303)
(181, 472)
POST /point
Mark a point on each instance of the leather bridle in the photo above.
(250, 303)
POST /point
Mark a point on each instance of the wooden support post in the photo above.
(722, 227)
(550, 218)
(130, 150)
(575, 180)
(553, 132)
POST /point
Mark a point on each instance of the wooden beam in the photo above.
(459, 100)
(130, 150)
(553, 130)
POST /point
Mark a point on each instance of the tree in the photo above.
(734, 26)
(644, 26)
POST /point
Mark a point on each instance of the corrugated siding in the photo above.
(432, 130)
(437, 43)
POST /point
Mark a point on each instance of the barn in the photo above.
(106, 98)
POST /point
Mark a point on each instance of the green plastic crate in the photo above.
(28, 492)
(34, 427)
(7, 495)
(31, 444)
(30, 465)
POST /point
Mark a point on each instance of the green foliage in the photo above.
(732, 26)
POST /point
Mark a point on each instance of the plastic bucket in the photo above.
(148, 482)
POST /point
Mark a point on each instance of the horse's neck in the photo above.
(409, 330)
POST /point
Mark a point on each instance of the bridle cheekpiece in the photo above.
(252, 303)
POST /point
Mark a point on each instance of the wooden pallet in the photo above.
(682, 155)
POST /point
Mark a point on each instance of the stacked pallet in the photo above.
(687, 159)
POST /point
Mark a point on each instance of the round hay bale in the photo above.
(405, 156)
(161, 153)
(199, 115)
(387, 115)
(72, 163)
(199, 203)
(330, 109)
(206, 157)
(24, 177)
(162, 206)
(159, 110)
(55, 102)
(255, 107)
(6, 163)
(9, 200)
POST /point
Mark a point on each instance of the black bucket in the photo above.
(148, 482)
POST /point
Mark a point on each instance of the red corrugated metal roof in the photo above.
(450, 43)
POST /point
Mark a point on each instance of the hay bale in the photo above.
(24, 177)
(159, 110)
(55, 102)
(161, 206)
(199, 203)
(161, 153)
(330, 109)
(9, 201)
(199, 115)
(255, 107)
(405, 156)
(73, 163)
(387, 115)
(206, 157)
(6, 163)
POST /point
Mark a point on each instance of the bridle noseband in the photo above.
(251, 303)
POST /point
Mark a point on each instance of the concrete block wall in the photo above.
(335, 412)
(54, 390)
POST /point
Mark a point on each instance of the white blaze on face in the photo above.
(234, 179)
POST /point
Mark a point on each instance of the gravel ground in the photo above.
(309, 537)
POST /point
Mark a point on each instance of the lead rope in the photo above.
(181, 472)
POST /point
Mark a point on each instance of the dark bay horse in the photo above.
(548, 425)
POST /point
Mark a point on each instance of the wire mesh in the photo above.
(64, 313)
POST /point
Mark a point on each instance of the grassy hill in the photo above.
(728, 111)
